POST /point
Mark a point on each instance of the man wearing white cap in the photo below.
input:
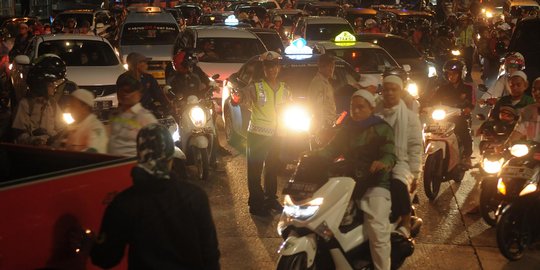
(367, 141)
(87, 133)
(408, 150)
(528, 126)
(517, 84)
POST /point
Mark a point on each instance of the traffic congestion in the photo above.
(270, 134)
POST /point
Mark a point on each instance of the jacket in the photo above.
(459, 96)
(166, 223)
(361, 144)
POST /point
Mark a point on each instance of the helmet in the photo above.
(453, 65)
(48, 68)
(514, 59)
(184, 59)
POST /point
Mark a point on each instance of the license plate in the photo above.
(517, 172)
(158, 74)
(436, 128)
(103, 105)
(300, 188)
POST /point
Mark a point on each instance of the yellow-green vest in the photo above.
(265, 108)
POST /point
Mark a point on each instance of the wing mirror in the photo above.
(22, 60)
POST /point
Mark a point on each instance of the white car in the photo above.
(320, 28)
(98, 19)
(91, 62)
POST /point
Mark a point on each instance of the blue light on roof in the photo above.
(299, 48)
(231, 21)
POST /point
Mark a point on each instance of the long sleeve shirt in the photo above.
(321, 98)
(124, 129)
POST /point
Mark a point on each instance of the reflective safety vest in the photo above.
(265, 108)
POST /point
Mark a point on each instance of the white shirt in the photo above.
(45, 114)
(321, 95)
(499, 89)
(89, 134)
(124, 129)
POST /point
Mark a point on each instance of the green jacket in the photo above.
(361, 144)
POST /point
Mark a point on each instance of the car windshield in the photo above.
(228, 50)
(398, 48)
(325, 31)
(365, 60)
(80, 52)
(272, 41)
(149, 34)
(79, 17)
(324, 11)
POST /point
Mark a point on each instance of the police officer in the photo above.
(456, 93)
(266, 98)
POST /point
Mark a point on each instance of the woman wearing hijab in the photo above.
(166, 222)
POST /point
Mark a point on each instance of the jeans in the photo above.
(262, 151)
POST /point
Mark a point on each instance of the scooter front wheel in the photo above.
(201, 162)
(293, 262)
(513, 234)
(432, 175)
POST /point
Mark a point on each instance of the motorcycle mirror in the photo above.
(215, 76)
(482, 87)
(481, 117)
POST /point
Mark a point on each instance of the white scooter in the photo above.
(311, 224)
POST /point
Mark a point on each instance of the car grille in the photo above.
(101, 90)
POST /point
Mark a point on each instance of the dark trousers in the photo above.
(468, 54)
(262, 151)
(463, 132)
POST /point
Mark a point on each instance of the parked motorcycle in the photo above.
(443, 152)
(519, 216)
(311, 223)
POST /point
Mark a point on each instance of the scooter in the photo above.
(311, 223)
(443, 152)
(519, 213)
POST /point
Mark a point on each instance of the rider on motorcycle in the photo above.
(185, 82)
(517, 83)
(527, 127)
(456, 93)
(513, 62)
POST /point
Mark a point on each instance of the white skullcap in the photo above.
(365, 95)
(85, 96)
(519, 73)
(394, 79)
(369, 80)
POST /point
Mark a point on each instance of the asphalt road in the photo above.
(449, 239)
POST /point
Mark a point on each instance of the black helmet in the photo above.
(453, 65)
(48, 68)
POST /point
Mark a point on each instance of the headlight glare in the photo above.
(438, 114)
(456, 52)
(303, 211)
(530, 188)
(197, 116)
(68, 118)
(176, 135)
(297, 119)
(492, 166)
(501, 187)
(519, 150)
(432, 71)
(412, 88)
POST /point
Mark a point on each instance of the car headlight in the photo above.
(197, 116)
(530, 188)
(68, 118)
(456, 52)
(438, 114)
(492, 166)
(303, 211)
(412, 88)
(297, 118)
(519, 150)
(432, 71)
(501, 187)
(176, 134)
(126, 67)
(489, 14)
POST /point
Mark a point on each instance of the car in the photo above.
(176, 14)
(98, 74)
(320, 28)
(288, 16)
(405, 15)
(365, 13)
(150, 31)
(423, 71)
(191, 12)
(323, 9)
(214, 17)
(270, 38)
(260, 11)
(526, 41)
(302, 3)
(514, 7)
(98, 19)
(297, 72)
(10, 26)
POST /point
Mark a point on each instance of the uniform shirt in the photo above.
(38, 113)
(465, 37)
(88, 135)
(321, 96)
(124, 129)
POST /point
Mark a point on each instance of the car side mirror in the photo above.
(481, 117)
(407, 68)
(22, 60)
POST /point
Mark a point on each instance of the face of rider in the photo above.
(453, 76)
(517, 86)
(360, 109)
(391, 94)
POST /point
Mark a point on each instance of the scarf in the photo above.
(155, 148)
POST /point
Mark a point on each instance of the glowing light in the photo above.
(345, 39)
(231, 20)
(68, 118)
(299, 47)
(438, 114)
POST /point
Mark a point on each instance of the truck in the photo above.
(52, 202)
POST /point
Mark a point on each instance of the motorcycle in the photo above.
(311, 224)
(443, 152)
(519, 213)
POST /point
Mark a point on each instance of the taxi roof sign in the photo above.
(231, 20)
(299, 47)
(345, 38)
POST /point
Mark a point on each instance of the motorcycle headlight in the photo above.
(519, 150)
(412, 88)
(303, 211)
(68, 118)
(296, 118)
(501, 187)
(456, 52)
(489, 14)
(432, 71)
(438, 114)
(530, 188)
(197, 116)
(492, 166)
